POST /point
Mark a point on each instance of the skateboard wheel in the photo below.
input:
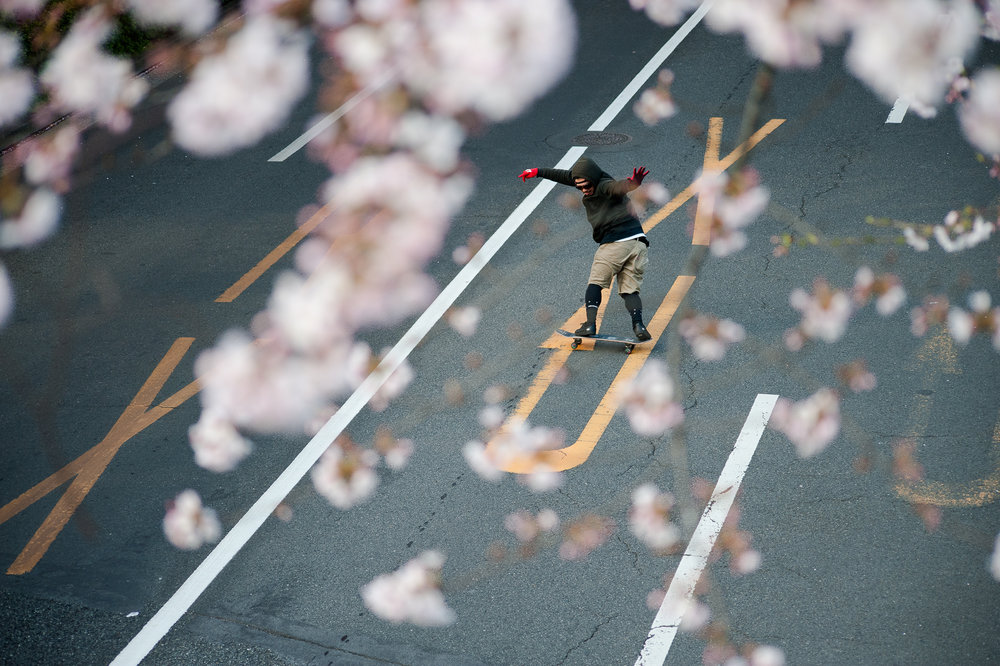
(629, 348)
(575, 344)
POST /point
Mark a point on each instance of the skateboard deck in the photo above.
(629, 343)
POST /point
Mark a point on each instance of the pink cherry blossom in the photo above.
(392, 387)
(331, 13)
(236, 97)
(188, 525)
(22, 8)
(411, 594)
(710, 337)
(517, 440)
(767, 655)
(81, 77)
(527, 528)
(656, 104)
(825, 312)
(665, 12)
(912, 49)
(649, 518)
(585, 534)
(48, 160)
(17, 86)
(345, 474)
(37, 221)
(193, 17)
(696, 618)
(963, 230)
(887, 289)
(483, 55)
(464, 320)
(856, 376)
(963, 325)
(256, 386)
(914, 240)
(218, 446)
(785, 33)
(395, 452)
(649, 403)
(731, 203)
(980, 113)
(810, 424)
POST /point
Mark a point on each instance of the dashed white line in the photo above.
(654, 63)
(330, 118)
(898, 111)
(679, 594)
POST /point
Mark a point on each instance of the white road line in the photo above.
(330, 119)
(681, 590)
(898, 111)
(182, 600)
(646, 72)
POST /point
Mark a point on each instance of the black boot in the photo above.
(634, 305)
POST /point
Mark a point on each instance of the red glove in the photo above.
(638, 174)
(528, 173)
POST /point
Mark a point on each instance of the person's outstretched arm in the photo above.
(630, 183)
(561, 176)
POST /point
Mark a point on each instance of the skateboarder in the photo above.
(622, 244)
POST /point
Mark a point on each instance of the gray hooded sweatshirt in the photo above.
(607, 208)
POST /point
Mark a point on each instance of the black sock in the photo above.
(634, 306)
(592, 299)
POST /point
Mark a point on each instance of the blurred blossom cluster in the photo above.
(827, 310)
(731, 203)
(902, 49)
(810, 424)
(656, 104)
(411, 594)
(585, 534)
(511, 442)
(530, 530)
(960, 231)
(980, 318)
(649, 402)
(710, 337)
(649, 519)
(188, 524)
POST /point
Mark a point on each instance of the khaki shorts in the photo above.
(625, 260)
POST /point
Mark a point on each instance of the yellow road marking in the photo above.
(937, 356)
(703, 214)
(575, 454)
(86, 469)
(971, 493)
(229, 295)
(721, 165)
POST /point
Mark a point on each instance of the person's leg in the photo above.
(602, 270)
(634, 306)
(592, 299)
(629, 282)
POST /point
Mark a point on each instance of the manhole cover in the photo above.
(600, 139)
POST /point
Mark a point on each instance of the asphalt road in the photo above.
(850, 575)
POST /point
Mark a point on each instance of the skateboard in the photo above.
(629, 343)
